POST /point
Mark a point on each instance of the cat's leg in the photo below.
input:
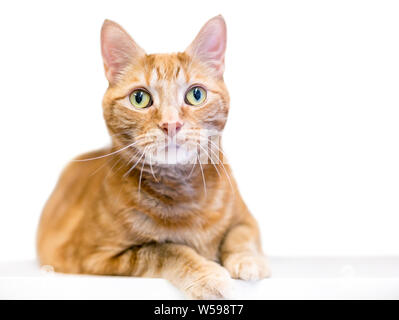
(241, 252)
(195, 275)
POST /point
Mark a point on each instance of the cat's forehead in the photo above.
(160, 70)
(166, 67)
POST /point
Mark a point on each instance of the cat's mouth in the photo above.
(173, 153)
(183, 148)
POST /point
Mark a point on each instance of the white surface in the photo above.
(293, 278)
(313, 132)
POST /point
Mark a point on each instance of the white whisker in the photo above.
(192, 168)
(202, 173)
(109, 154)
(152, 170)
(141, 171)
(221, 162)
(210, 158)
(130, 170)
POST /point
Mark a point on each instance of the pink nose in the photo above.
(171, 129)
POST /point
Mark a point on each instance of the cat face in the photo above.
(165, 106)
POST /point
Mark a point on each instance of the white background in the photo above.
(314, 125)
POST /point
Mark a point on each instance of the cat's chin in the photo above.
(174, 155)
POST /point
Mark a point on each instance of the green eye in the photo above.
(195, 96)
(140, 99)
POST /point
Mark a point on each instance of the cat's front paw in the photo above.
(247, 266)
(213, 283)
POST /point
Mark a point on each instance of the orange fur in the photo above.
(157, 221)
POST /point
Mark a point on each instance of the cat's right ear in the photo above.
(118, 50)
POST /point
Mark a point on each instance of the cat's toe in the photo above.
(247, 266)
(216, 284)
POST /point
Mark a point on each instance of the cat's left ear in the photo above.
(118, 50)
(210, 45)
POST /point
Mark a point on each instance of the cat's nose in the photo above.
(171, 128)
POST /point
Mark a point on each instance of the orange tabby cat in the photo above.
(160, 202)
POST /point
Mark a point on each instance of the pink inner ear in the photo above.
(210, 44)
(118, 49)
(214, 44)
